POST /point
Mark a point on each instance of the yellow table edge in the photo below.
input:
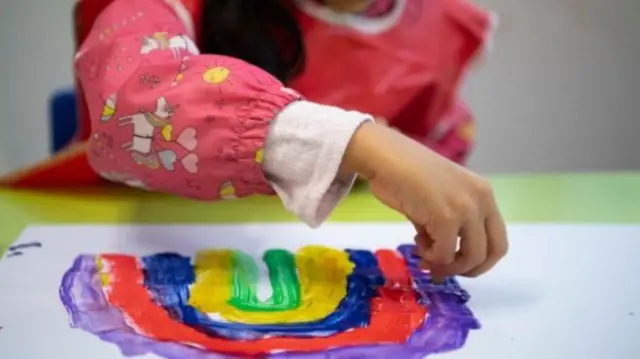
(557, 198)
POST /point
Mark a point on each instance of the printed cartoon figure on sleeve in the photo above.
(177, 121)
(161, 41)
(109, 108)
(154, 144)
(181, 70)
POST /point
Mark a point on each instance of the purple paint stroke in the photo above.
(446, 328)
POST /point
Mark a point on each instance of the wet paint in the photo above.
(322, 273)
(283, 277)
(403, 323)
(395, 313)
(352, 312)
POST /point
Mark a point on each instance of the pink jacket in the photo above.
(166, 118)
(402, 60)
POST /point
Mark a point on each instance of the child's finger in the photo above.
(434, 270)
(497, 245)
(423, 243)
(444, 242)
(473, 249)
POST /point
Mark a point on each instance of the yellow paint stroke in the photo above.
(102, 273)
(213, 279)
(322, 272)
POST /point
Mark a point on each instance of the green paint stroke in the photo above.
(283, 276)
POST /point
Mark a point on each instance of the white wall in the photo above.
(558, 92)
(36, 50)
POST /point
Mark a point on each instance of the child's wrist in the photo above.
(359, 158)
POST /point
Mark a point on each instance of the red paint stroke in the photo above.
(396, 313)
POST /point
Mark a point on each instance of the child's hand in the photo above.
(442, 199)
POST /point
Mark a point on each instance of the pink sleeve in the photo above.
(165, 117)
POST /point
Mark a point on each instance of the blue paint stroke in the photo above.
(352, 312)
(168, 269)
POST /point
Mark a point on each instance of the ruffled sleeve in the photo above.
(165, 117)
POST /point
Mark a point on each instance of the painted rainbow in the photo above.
(325, 303)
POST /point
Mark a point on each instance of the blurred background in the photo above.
(559, 92)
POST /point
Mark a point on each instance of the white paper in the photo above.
(562, 292)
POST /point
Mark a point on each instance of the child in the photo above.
(188, 98)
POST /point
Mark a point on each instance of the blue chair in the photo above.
(63, 117)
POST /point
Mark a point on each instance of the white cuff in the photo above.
(302, 156)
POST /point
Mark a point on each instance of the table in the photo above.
(564, 291)
(577, 198)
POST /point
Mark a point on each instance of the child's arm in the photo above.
(204, 126)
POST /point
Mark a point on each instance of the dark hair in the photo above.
(264, 33)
